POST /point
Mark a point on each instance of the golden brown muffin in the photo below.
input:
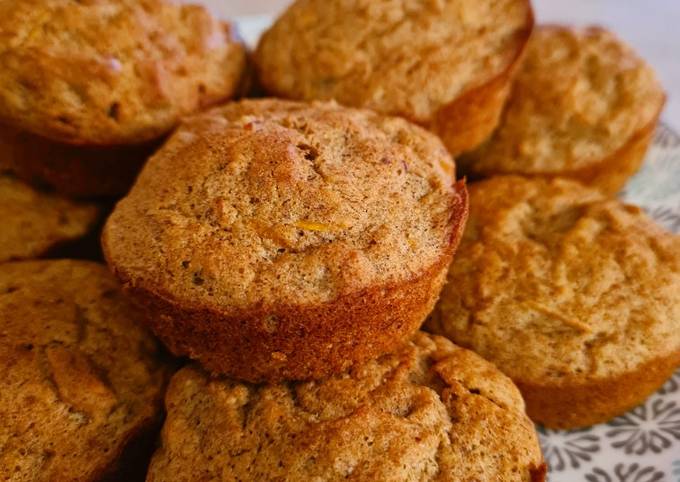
(429, 412)
(573, 295)
(583, 106)
(298, 239)
(80, 378)
(34, 222)
(105, 75)
(445, 64)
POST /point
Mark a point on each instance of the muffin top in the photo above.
(580, 96)
(431, 412)
(265, 202)
(556, 284)
(394, 56)
(106, 72)
(33, 222)
(79, 376)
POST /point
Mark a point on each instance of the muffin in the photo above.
(87, 89)
(444, 64)
(81, 380)
(430, 411)
(33, 222)
(271, 239)
(584, 106)
(573, 295)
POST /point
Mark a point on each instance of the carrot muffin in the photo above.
(445, 64)
(431, 411)
(572, 295)
(272, 239)
(33, 221)
(583, 106)
(89, 87)
(80, 378)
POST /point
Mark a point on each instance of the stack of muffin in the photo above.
(289, 249)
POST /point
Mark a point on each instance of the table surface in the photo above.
(651, 26)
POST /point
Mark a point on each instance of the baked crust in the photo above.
(34, 222)
(81, 379)
(468, 121)
(593, 122)
(571, 404)
(429, 64)
(306, 234)
(430, 411)
(125, 73)
(611, 173)
(309, 342)
(571, 294)
(73, 171)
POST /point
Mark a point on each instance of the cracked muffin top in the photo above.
(580, 95)
(33, 221)
(394, 56)
(429, 411)
(586, 286)
(265, 202)
(79, 376)
(104, 72)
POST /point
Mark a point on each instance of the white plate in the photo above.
(644, 444)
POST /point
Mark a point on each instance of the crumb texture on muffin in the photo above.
(285, 203)
(580, 96)
(109, 72)
(395, 56)
(79, 377)
(559, 286)
(33, 222)
(430, 411)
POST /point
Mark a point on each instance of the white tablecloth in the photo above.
(651, 26)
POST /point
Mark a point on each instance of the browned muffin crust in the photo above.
(72, 171)
(446, 65)
(33, 222)
(601, 399)
(80, 378)
(430, 412)
(572, 295)
(584, 106)
(299, 239)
